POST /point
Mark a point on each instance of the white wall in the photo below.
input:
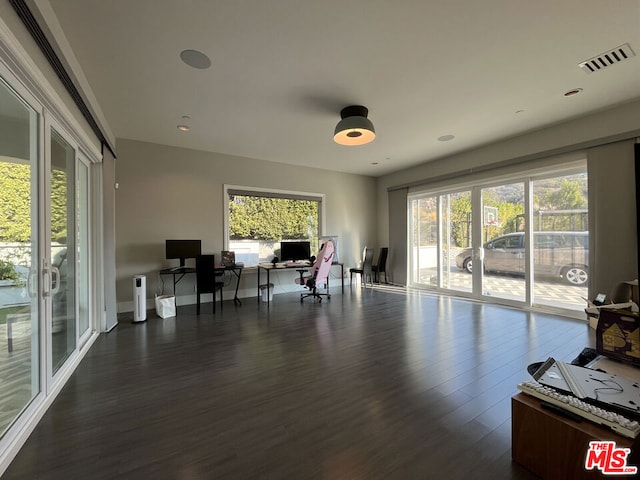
(611, 192)
(167, 192)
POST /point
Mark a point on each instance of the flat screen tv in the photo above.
(182, 249)
(294, 251)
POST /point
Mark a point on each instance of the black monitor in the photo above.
(294, 251)
(182, 249)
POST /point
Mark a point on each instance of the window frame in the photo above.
(270, 193)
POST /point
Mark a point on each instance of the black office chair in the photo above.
(207, 279)
(381, 266)
(365, 270)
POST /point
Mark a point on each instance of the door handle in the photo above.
(32, 285)
(55, 283)
(46, 283)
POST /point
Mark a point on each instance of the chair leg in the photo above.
(214, 299)
(198, 303)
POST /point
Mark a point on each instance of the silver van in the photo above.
(556, 254)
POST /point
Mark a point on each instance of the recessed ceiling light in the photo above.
(195, 59)
(183, 125)
(572, 92)
(374, 163)
(446, 138)
(519, 111)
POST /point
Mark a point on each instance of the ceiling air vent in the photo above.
(607, 59)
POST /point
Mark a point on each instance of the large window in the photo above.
(258, 220)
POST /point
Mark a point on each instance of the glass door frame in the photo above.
(34, 283)
(78, 339)
(478, 240)
(38, 91)
(84, 336)
(441, 236)
(527, 177)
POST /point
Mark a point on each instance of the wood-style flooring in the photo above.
(373, 384)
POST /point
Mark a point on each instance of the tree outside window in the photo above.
(258, 223)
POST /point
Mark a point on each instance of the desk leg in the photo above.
(258, 284)
(342, 276)
(238, 275)
(268, 283)
(175, 297)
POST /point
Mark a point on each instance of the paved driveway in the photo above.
(550, 292)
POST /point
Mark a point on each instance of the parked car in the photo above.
(557, 254)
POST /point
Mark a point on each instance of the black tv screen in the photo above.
(182, 249)
(293, 251)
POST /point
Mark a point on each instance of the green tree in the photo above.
(460, 224)
(59, 205)
(568, 196)
(15, 202)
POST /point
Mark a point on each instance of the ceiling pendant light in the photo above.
(354, 128)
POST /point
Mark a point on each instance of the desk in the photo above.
(179, 273)
(269, 266)
(555, 447)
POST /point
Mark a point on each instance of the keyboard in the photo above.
(616, 422)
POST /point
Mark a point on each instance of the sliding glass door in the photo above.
(45, 270)
(62, 248)
(561, 240)
(441, 230)
(521, 242)
(20, 308)
(503, 242)
(455, 225)
(424, 248)
(83, 270)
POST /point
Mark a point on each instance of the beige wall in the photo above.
(166, 192)
(600, 138)
(613, 248)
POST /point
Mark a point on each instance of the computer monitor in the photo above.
(294, 251)
(182, 249)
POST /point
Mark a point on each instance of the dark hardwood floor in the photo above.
(373, 384)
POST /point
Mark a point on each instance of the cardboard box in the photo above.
(618, 335)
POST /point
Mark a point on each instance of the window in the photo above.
(514, 241)
(257, 220)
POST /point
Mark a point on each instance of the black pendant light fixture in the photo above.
(354, 128)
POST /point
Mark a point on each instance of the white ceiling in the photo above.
(283, 69)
